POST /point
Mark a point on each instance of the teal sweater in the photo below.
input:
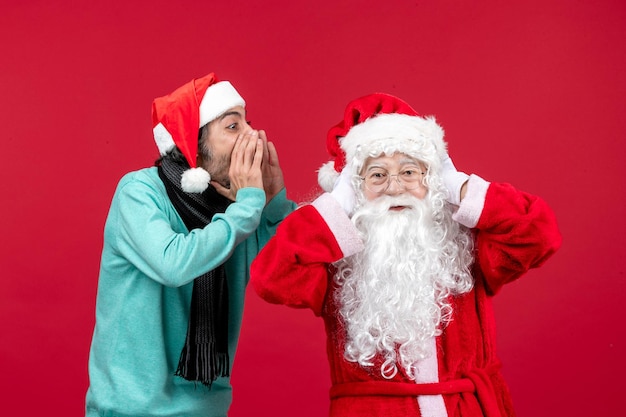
(149, 261)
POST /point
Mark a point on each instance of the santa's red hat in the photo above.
(380, 124)
(178, 116)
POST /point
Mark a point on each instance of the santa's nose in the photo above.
(394, 187)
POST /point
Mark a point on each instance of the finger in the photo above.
(236, 152)
(250, 147)
(246, 147)
(266, 154)
(236, 155)
(258, 154)
(226, 192)
(273, 155)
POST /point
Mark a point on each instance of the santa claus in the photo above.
(400, 257)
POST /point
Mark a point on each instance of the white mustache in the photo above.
(385, 202)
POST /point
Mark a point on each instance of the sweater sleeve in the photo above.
(149, 234)
(515, 231)
(273, 214)
(292, 269)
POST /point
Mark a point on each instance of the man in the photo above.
(178, 242)
(401, 258)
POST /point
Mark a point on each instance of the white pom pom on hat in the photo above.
(327, 176)
(380, 123)
(195, 180)
(178, 116)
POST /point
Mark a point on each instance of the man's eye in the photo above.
(232, 126)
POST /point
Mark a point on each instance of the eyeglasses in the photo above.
(378, 180)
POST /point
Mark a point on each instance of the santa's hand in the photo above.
(343, 191)
(453, 180)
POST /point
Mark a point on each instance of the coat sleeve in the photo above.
(292, 268)
(515, 231)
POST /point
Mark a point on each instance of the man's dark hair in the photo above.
(177, 156)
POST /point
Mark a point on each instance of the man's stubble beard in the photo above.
(217, 167)
(394, 295)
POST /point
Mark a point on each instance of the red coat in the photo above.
(514, 232)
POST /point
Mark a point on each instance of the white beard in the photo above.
(394, 295)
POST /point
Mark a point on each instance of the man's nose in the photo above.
(247, 128)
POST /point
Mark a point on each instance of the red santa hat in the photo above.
(380, 124)
(178, 116)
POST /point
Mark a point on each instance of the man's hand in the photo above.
(273, 180)
(245, 165)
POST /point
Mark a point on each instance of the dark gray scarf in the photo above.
(204, 357)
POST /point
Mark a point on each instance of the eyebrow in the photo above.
(401, 163)
(408, 160)
(230, 113)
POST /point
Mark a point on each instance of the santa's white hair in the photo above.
(394, 296)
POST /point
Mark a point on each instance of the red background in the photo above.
(530, 93)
